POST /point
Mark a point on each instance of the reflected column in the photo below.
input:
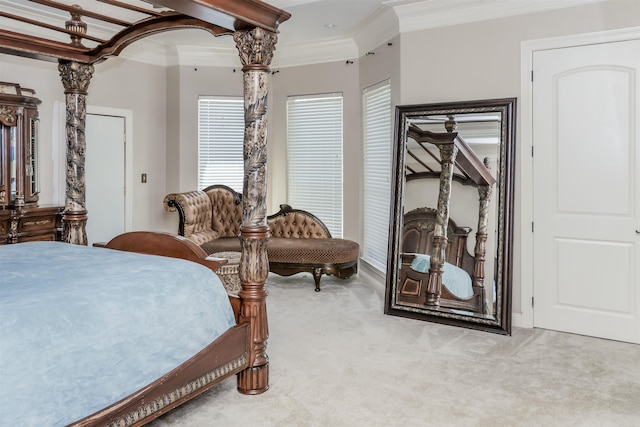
(480, 250)
(448, 152)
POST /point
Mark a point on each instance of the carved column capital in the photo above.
(8, 115)
(255, 48)
(448, 152)
(75, 76)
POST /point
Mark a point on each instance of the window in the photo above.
(220, 141)
(376, 101)
(314, 157)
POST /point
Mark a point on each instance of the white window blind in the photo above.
(376, 101)
(220, 141)
(314, 157)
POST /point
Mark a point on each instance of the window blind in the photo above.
(220, 141)
(376, 101)
(314, 157)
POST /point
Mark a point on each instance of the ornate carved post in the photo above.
(448, 154)
(256, 50)
(75, 79)
(480, 250)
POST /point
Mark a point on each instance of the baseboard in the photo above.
(371, 275)
(517, 320)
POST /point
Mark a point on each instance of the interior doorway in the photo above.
(107, 172)
(585, 188)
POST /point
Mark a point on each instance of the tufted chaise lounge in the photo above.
(298, 242)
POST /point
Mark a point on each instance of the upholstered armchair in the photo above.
(209, 214)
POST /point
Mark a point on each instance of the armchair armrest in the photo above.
(194, 210)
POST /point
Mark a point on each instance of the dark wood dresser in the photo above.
(31, 223)
(21, 219)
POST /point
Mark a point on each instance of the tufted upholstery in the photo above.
(296, 224)
(226, 207)
(322, 251)
(207, 214)
(195, 214)
(299, 241)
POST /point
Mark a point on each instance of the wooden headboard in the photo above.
(417, 237)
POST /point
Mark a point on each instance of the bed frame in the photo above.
(417, 238)
(253, 24)
(228, 355)
(430, 229)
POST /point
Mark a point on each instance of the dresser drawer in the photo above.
(37, 223)
(31, 223)
(4, 226)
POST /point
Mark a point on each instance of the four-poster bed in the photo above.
(253, 25)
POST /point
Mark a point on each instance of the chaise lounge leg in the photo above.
(317, 274)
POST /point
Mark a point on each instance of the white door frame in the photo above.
(128, 167)
(527, 49)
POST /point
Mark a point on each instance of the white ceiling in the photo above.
(358, 26)
(326, 30)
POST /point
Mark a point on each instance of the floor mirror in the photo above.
(451, 233)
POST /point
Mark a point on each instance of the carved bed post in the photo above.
(448, 154)
(256, 50)
(75, 79)
(480, 250)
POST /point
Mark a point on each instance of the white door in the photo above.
(586, 197)
(105, 177)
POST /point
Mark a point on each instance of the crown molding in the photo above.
(218, 54)
(416, 16)
(147, 51)
(378, 29)
(314, 53)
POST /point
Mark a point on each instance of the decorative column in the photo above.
(76, 77)
(480, 250)
(256, 51)
(448, 152)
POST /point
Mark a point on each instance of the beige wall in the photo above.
(482, 60)
(313, 79)
(193, 82)
(116, 83)
(134, 86)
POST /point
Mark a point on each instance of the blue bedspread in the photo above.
(83, 327)
(457, 281)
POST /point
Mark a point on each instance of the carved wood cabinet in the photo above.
(21, 219)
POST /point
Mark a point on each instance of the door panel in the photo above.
(105, 177)
(585, 107)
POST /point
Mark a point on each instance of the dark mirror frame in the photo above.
(501, 322)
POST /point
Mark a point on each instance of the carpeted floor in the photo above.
(337, 360)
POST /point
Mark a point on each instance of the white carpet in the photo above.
(337, 360)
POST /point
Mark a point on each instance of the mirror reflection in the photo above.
(452, 214)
